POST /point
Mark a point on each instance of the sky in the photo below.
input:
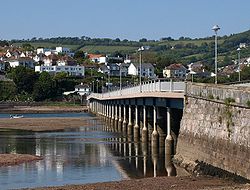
(124, 19)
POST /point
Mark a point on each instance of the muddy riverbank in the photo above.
(15, 159)
(45, 124)
(43, 109)
(158, 183)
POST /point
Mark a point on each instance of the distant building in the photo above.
(97, 58)
(58, 50)
(113, 69)
(83, 89)
(175, 71)
(70, 70)
(147, 70)
(22, 61)
(243, 45)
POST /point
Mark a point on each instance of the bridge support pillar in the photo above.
(116, 118)
(120, 119)
(102, 112)
(136, 126)
(144, 129)
(155, 135)
(110, 115)
(129, 128)
(169, 139)
(105, 112)
(124, 123)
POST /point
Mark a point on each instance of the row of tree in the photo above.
(29, 85)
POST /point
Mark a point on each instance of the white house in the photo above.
(64, 50)
(83, 89)
(147, 70)
(70, 70)
(22, 61)
(97, 58)
(56, 51)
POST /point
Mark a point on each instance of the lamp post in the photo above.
(140, 60)
(216, 28)
(239, 62)
(108, 79)
(93, 82)
(120, 78)
(97, 81)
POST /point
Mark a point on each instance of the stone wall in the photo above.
(215, 133)
(241, 95)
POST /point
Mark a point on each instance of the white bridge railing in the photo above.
(146, 87)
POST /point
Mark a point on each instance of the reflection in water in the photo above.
(83, 155)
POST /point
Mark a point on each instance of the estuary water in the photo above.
(77, 156)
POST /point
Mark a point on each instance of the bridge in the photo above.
(150, 112)
(210, 121)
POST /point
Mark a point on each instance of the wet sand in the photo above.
(43, 109)
(44, 124)
(50, 124)
(15, 159)
(158, 183)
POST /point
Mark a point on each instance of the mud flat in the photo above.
(15, 159)
(45, 124)
(43, 109)
(158, 183)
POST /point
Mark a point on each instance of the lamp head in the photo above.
(216, 28)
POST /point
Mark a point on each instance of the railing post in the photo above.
(171, 85)
(154, 85)
(159, 85)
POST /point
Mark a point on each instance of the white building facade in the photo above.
(147, 70)
(70, 70)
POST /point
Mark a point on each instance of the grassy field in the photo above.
(47, 45)
(195, 42)
(108, 49)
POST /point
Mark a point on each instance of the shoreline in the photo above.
(16, 159)
(43, 109)
(157, 183)
(45, 124)
(57, 123)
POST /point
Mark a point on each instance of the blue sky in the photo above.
(126, 19)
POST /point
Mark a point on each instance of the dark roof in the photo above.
(176, 66)
(82, 86)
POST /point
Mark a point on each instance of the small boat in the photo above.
(16, 116)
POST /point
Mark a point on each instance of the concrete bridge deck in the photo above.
(160, 89)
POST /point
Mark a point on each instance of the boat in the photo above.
(16, 116)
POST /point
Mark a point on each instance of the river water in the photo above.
(77, 156)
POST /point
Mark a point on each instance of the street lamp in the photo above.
(216, 28)
(93, 82)
(239, 62)
(120, 66)
(108, 79)
(140, 50)
(97, 81)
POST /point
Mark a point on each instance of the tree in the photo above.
(7, 90)
(24, 78)
(44, 88)
(143, 40)
(79, 54)
(27, 47)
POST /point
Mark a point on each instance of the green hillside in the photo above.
(164, 51)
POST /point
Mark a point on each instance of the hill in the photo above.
(184, 50)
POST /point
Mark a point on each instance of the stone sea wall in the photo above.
(215, 131)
